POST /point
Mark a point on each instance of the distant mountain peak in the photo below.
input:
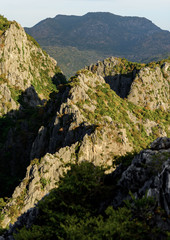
(103, 34)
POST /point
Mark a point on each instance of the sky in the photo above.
(30, 12)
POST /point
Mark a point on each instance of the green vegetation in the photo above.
(30, 38)
(92, 43)
(30, 117)
(71, 59)
(71, 211)
(44, 84)
(110, 104)
(15, 93)
(4, 24)
(126, 67)
(155, 165)
(43, 182)
(125, 160)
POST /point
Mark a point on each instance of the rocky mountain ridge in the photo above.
(105, 111)
(27, 78)
(136, 178)
(91, 123)
(23, 64)
(143, 84)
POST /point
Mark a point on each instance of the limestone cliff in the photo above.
(28, 77)
(143, 84)
(146, 176)
(90, 123)
(23, 64)
(101, 113)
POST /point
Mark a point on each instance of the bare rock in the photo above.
(149, 171)
(160, 143)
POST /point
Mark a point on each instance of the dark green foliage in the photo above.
(71, 212)
(71, 59)
(23, 127)
(76, 196)
(125, 160)
(117, 224)
(4, 24)
(77, 190)
(2, 231)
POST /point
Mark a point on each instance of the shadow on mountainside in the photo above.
(120, 83)
(81, 206)
(18, 130)
(32, 131)
(120, 79)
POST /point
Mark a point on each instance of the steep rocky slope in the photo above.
(145, 180)
(142, 84)
(27, 78)
(23, 64)
(103, 112)
(89, 122)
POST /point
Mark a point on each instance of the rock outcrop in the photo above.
(22, 64)
(91, 123)
(150, 87)
(148, 173)
(144, 85)
(27, 78)
(81, 120)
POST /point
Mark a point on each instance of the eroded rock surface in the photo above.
(141, 84)
(148, 173)
(22, 64)
(75, 134)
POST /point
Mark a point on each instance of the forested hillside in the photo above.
(102, 34)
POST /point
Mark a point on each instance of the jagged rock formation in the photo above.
(22, 64)
(144, 85)
(27, 78)
(82, 120)
(91, 123)
(150, 88)
(149, 172)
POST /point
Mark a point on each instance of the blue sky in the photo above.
(30, 12)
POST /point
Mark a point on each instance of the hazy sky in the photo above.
(30, 12)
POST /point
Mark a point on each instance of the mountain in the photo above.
(27, 78)
(105, 34)
(23, 65)
(87, 121)
(89, 204)
(65, 136)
